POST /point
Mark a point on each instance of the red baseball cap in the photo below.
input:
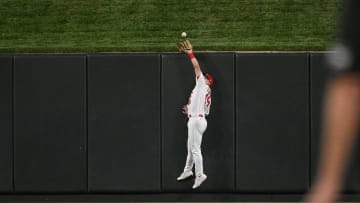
(210, 78)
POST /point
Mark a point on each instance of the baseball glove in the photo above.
(184, 46)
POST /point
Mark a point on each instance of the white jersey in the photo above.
(200, 98)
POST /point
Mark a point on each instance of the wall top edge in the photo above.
(219, 52)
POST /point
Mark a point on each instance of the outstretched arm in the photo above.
(186, 47)
(195, 62)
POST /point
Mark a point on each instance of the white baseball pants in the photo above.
(196, 128)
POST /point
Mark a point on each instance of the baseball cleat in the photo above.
(185, 175)
(198, 180)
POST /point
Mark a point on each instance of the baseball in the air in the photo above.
(183, 34)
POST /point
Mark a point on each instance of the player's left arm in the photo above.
(195, 63)
(186, 47)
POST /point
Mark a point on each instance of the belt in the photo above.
(199, 115)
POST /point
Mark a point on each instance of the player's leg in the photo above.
(189, 158)
(341, 120)
(200, 125)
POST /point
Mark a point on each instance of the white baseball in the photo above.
(183, 34)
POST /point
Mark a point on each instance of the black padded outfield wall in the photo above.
(124, 123)
(111, 124)
(320, 74)
(49, 120)
(272, 133)
(178, 80)
(6, 178)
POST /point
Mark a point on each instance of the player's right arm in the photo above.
(185, 110)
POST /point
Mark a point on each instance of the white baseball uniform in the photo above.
(198, 107)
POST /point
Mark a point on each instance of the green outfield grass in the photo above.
(154, 25)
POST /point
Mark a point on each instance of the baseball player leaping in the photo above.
(197, 108)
